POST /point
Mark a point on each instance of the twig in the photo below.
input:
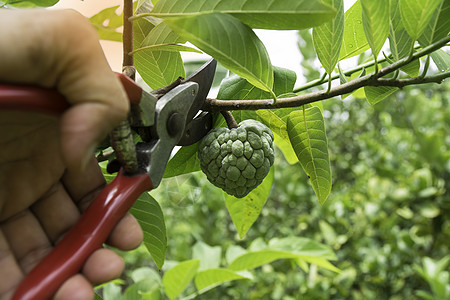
(367, 80)
(231, 122)
(127, 34)
(105, 155)
(121, 136)
(158, 93)
(349, 72)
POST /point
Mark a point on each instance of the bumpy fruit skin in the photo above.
(237, 160)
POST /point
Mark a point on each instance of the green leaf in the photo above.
(208, 279)
(354, 41)
(107, 22)
(439, 26)
(244, 211)
(400, 42)
(209, 256)
(44, 2)
(306, 131)
(141, 28)
(183, 162)
(286, 148)
(304, 247)
(167, 47)
(416, 14)
(176, 279)
(157, 68)
(433, 268)
(285, 248)
(233, 252)
(264, 14)
(359, 93)
(145, 289)
(441, 59)
(144, 6)
(327, 37)
(375, 17)
(146, 272)
(375, 94)
(433, 273)
(276, 120)
(251, 260)
(232, 43)
(111, 291)
(29, 3)
(237, 88)
(343, 79)
(149, 215)
(320, 262)
(97, 297)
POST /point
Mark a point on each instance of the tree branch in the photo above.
(438, 78)
(373, 79)
(128, 61)
(121, 136)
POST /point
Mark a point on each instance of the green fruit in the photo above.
(237, 160)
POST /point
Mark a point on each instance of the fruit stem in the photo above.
(231, 122)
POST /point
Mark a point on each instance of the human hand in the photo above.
(47, 171)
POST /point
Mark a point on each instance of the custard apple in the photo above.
(237, 160)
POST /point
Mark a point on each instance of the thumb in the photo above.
(98, 100)
(61, 49)
(82, 127)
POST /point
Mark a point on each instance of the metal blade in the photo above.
(196, 129)
(204, 77)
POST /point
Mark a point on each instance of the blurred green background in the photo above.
(388, 210)
(387, 218)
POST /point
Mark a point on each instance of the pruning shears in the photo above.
(163, 118)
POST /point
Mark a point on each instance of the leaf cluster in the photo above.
(387, 218)
(224, 30)
(27, 3)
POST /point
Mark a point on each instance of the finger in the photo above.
(127, 234)
(56, 212)
(26, 238)
(29, 159)
(83, 186)
(75, 288)
(77, 67)
(82, 127)
(98, 98)
(10, 274)
(102, 266)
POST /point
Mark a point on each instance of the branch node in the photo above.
(129, 71)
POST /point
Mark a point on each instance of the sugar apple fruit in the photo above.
(238, 159)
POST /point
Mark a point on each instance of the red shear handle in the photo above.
(50, 101)
(91, 231)
(30, 98)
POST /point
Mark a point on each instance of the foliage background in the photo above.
(388, 210)
(387, 218)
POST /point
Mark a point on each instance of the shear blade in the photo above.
(196, 129)
(204, 77)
